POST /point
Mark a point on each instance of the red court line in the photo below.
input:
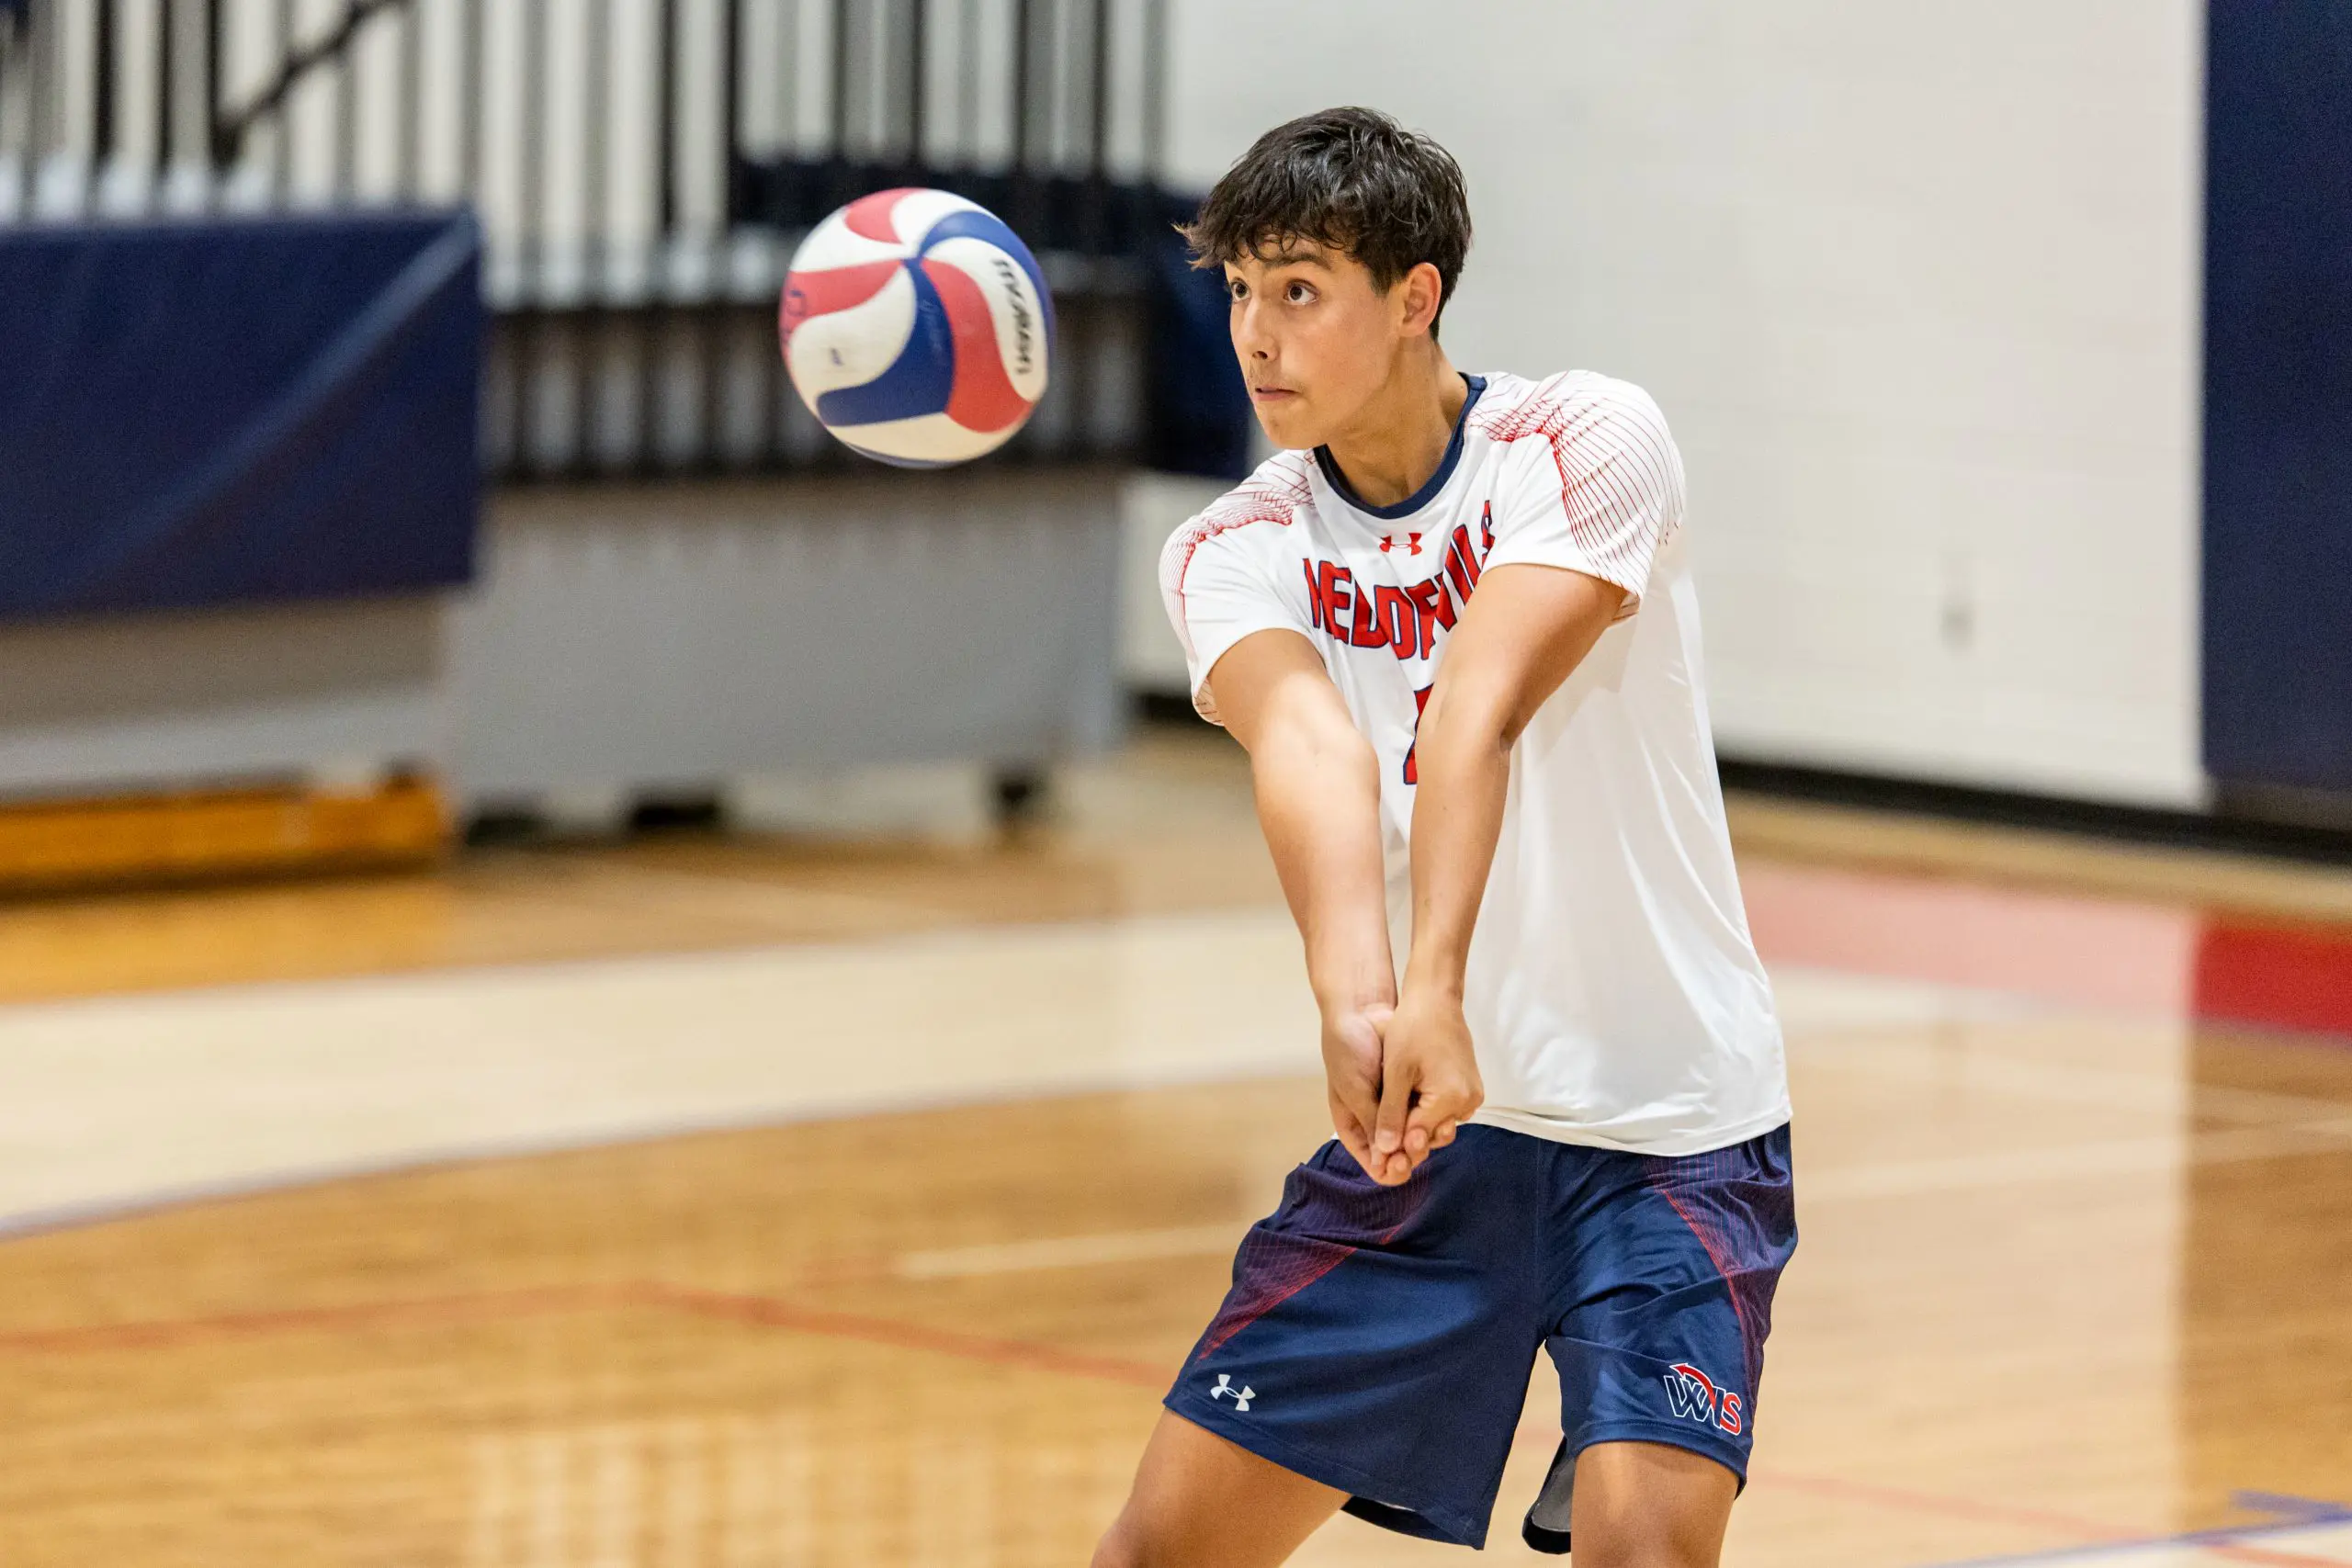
(2100, 953)
(421, 1312)
(2276, 977)
(2134, 954)
(772, 1312)
(2263, 1555)
(489, 1306)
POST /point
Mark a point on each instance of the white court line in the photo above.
(117, 1103)
(127, 1100)
(1906, 1179)
(2160, 1091)
(2155, 1155)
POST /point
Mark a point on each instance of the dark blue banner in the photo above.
(1200, 413)
(2278, 627)
(215, 413)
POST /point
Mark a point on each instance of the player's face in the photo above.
(1315, 339)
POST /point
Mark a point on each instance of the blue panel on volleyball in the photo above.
(2278, 634)
(917, 327)
(205, 413)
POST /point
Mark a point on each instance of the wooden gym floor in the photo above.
(750, 1201)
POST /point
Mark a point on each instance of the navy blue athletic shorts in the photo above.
(1379, 1339)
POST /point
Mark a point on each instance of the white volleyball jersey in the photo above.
(1612, 993)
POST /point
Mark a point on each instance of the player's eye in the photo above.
(1236, 289)
(1299, 293)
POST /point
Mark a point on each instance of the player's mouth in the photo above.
(1271, 394)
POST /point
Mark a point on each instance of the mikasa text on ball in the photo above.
(917, 327)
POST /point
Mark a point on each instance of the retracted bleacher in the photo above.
(241, 473)
(676, 578)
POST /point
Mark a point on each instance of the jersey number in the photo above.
(1421, 706)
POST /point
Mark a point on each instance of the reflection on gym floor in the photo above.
(738, 1202)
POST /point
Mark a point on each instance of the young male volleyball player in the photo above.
(1452, 624)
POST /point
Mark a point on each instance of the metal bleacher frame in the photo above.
(632, 388)
(809, 102)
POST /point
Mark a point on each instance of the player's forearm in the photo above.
(1464, 757)
(1319, 799)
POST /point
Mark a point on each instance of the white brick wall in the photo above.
(1917, 285)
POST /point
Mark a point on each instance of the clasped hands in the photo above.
(1401, 1079)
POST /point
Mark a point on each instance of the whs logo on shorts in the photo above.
(1694, 1396)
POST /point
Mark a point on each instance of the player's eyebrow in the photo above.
(1295, 253)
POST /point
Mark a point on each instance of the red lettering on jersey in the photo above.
(1454, 575)
(1412, 758)
(1365, 630)
(1487, 528)
(1337, 596)
(1397, 623)
(1406, 620)
(1433, 608)
(1462, 565)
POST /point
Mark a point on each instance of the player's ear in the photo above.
(1423, 292)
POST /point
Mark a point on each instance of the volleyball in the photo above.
(917, 327)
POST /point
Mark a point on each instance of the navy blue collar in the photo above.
(1422, 496)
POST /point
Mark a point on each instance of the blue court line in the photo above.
(2293, 1514)
(2282, 1505)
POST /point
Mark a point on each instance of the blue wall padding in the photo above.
(218, 412)
(2278, 609)
(1199, 412)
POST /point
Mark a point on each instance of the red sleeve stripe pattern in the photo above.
(1621, 478)
(1273, 494)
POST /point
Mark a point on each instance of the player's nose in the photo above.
(1249, 332)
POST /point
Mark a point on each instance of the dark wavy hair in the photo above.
(1348, 179)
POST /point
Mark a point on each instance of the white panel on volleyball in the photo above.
(918, 347)
(939, 439)
(849, 348)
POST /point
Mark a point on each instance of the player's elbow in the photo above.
(1475, 714)
(1509, 725)
(1315, 741)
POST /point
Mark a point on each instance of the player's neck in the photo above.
(1393, 447)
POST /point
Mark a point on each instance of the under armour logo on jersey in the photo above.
(1412, 544)
(1241, 1396)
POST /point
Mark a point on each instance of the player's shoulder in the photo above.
(1569, 405)
(1254, 515)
